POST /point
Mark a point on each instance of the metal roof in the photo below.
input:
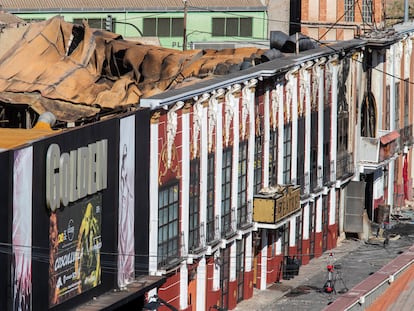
(131, 5)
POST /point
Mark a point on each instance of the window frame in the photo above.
(242, 211)
(226, 27)
(194, 206)
(158, 27)
(168, 245)
(226, 183)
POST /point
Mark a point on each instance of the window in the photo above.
(273, 158)
(210, 198)
(258, 164)
(406, 102)
(163, 27)
(327, 144)
(194, 206)
(314, 149)
(232, 27)
(226, 192)
(168, 226)
(287, 153)
(34, 20)
(349, 10)
(300, 162)
(367, 11)
(98, 23)
(397, 105)
(387, 108)
(242, 185)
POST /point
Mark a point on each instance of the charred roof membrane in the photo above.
(267, 69)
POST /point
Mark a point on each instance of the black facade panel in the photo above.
(142, 154)
(6, 181)
(67, 141)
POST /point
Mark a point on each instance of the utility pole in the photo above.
(185, 26)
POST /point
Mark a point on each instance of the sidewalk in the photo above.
(264, 299)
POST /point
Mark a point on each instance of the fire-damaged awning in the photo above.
(75, 71)
(387, 138)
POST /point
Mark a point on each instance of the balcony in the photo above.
(304, 183)
(344, 165)
(213, 231)
(244, 216)
(273, 205)
(197, 240)
(406, 136)
(374, 152)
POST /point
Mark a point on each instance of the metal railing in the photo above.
(345, 165)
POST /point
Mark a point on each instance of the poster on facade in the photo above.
(126, 242)
(75, 243)
(22, 229)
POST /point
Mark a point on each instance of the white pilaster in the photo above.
(292, 231)
(219, 160)
(294, 140)
(281, 129)
(233, 253)
(334, 115)
(266, 138)
(305, 221)
(153, 199)
(332, 206)
(203, 172)
(248, 254)
(251, 149)
(263, 272)
(183, 285)
(307, 109)
(185, 179)
(235, 164)
(201, 284)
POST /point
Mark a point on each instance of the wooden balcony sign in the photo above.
(274, 204)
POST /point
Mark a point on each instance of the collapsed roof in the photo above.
(76, 72)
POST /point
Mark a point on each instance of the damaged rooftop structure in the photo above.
(82, 74)
(134, 174)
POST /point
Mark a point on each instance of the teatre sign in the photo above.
(74, 175)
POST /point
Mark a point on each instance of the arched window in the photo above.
(368, 116)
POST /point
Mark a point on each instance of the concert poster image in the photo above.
(75, 244)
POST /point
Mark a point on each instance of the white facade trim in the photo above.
(183, 285)
(153, 200)
(201, 284)
(266, 138)
(305, 221)
(185, 179)
(263, 272)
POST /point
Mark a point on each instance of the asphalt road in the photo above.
(356, 259)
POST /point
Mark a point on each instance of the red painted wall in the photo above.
(318, 244)
(170, 291)
(232, 295)
(212, 297)
(248, 285)
(305, 251)
(332, 236)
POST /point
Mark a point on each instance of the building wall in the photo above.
(130, 24)
(325, 19)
